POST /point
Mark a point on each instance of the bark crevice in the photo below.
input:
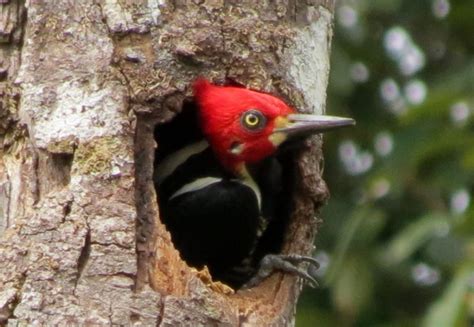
(84, 256)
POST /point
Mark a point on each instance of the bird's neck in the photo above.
(246, 178)
(238, 168)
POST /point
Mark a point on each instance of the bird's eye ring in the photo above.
(253, 120)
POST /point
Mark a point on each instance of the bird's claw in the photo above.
(286, 263)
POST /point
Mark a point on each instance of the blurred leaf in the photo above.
(468, 160)
(314, 316)
(446, 250)
(446, 90)
(346, 238)
(410, 239)
(448, 309)
(385, 5)
(353, 288)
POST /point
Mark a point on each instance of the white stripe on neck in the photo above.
(201, 183)
(248, 180)
(196, 185)
(171, 162)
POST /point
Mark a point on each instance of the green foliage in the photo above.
(449, 309)
(397, 246)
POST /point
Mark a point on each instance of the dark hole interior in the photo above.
(193, 229)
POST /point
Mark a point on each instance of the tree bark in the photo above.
(82, 84)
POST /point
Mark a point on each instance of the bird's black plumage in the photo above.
(220, 223)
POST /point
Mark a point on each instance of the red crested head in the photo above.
(239, 123)
(245, 126)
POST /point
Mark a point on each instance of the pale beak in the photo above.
(304, 124)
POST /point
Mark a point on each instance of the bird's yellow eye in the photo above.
(253, 120)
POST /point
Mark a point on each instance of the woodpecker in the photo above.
(220, 185)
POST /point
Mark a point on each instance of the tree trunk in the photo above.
(82, 84)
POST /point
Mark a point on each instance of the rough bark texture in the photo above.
(82, 84)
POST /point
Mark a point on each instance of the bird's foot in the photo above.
(288, 263)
